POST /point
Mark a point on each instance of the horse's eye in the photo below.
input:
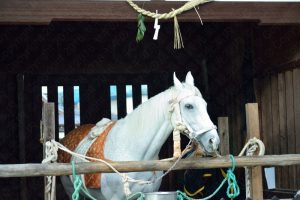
(189, 106)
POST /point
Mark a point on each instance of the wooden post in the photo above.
(223, 129)
(252, 121)
(48, 133)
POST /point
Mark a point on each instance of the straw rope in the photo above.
(187, 6)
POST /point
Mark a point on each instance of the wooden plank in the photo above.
(58, 169)
(43, 12)
(53, 97)
(252, 120)
(48, 134)
(21, 133)
(266, 112)
(296, 83)
(291, 138)
(282, 124)
(136, 94)
(275, 124)
(69, 120)
(223, 128)
(121, 100)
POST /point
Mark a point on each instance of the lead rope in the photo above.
(233, 189)
(50, 157)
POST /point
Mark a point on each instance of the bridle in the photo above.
(180, 123)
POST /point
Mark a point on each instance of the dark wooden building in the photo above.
(244, 52)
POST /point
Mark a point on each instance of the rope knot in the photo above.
(51, 149)
(233, 189)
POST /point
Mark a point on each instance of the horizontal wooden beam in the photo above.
(45, 11)
(58, 169)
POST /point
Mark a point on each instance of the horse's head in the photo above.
(190, 110)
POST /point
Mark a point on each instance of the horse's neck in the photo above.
(145, 130)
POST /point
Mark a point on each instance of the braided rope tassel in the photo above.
(178, 42)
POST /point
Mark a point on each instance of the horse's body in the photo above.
(141, 134)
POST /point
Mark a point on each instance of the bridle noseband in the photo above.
(181, 124)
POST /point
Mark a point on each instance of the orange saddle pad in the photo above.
(96, 150)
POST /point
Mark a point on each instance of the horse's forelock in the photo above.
(190, 89)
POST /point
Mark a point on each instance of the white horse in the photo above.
(141, 134)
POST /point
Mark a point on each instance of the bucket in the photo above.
(160, 196)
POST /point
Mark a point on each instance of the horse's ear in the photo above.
(189, 79)
(177, 83)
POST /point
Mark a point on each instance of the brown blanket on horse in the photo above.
(72, 140)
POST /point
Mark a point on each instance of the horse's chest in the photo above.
(96, 150)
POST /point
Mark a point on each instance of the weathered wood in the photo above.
(48, 133)
(290, 125)
(282, 124)
(252, 120)
(45, 11)
(58, 169)
(296, 83)
(266, 112)
(48, 120)
(223, 128)
(275, 123)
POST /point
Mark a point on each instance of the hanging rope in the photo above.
(50, 157)
(187, 6)
(178, 42)
(233, 189)
(77, 185)
(250, 148)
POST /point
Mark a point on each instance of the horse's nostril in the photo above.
(211, 140)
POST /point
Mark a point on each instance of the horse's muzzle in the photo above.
(209, 141)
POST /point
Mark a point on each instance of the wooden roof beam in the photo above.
(45, 11)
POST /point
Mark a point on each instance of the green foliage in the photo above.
(141, 28)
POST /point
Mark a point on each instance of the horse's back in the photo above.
(71, 141)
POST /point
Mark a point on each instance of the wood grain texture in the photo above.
(275, 125)
(45, 11)
(58, 169)
(252, 120)
(223, 129)
(296, 83)
(291, 143)
(48, 134)
(282, 123)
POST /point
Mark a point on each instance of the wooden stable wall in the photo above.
(278, 93)
(279, 98)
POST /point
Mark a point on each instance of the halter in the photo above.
(180, 122)
(181, 126)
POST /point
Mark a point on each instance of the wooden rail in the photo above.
(59, 169)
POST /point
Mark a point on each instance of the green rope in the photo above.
(141, 28)
(233, 189)
(77, 184)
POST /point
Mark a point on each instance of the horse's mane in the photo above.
(151, 109)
